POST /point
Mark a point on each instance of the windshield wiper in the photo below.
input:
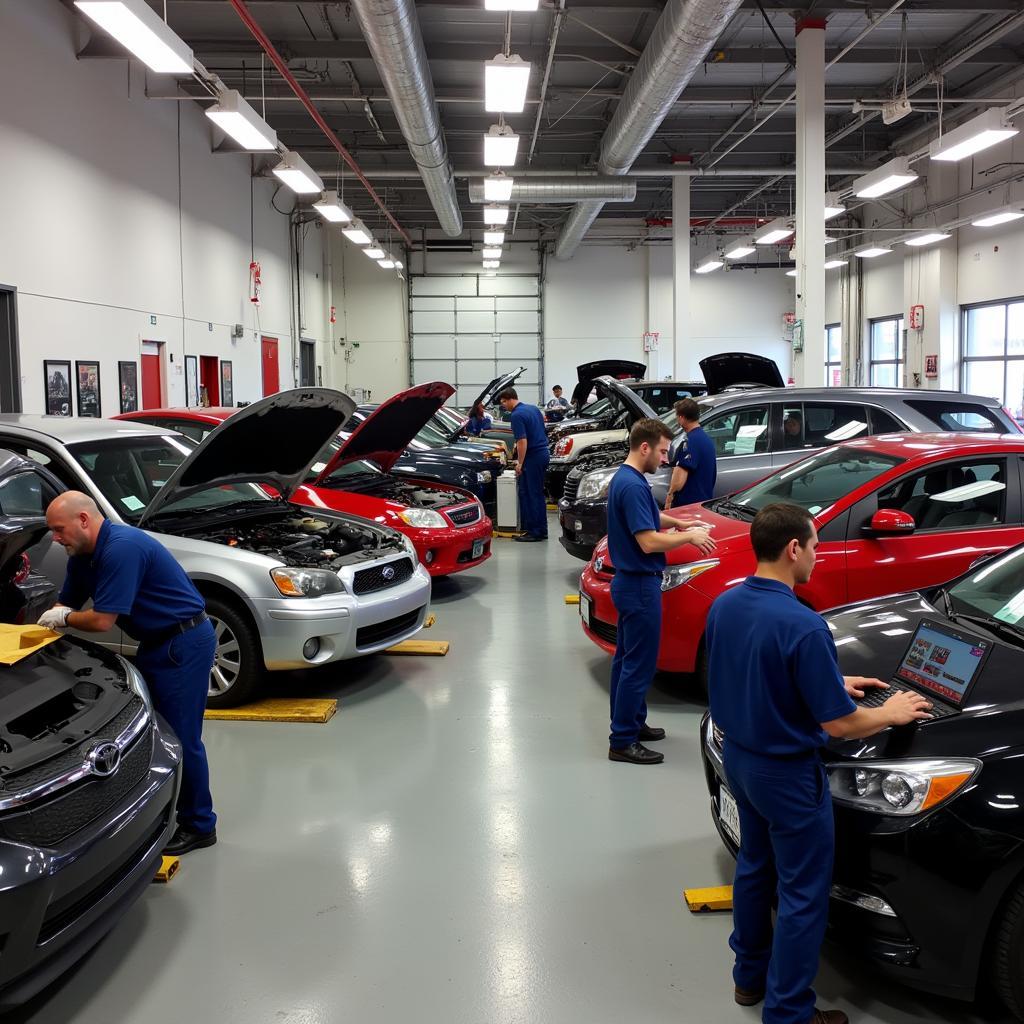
(994, 626)
(947, 604)
(733, 506)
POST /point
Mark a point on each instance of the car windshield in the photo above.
(818, 482)
(130, 470)
(432, 436)
(995, 591)
(348, 469)
(662, 398)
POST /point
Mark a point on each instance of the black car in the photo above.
(88, 772)
(929, 871)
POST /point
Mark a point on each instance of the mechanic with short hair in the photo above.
(777, 695)
(532, 458)
(558, 407)
(696, 466)
(135, 583)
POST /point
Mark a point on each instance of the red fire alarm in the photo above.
(917, 318)
(931, 367)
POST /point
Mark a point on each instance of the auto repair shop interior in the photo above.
(260, 260)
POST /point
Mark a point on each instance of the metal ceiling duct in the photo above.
(682, 37)
(392, 32)
(562, 189)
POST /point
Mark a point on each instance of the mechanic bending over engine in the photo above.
(135, 583)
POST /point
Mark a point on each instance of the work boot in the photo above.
(650, 733)
(635, 753)
(829, 1017)
(744, 997)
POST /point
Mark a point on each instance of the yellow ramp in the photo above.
(428, 648)
(167, 870)
(277, 709)
(703, 901)
(572, 598)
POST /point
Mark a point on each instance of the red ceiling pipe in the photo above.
(260, 36)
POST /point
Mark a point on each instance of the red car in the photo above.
(447, 525)
(895, 512)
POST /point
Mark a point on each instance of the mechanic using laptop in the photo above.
(777, 695)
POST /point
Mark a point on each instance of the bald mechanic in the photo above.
(135, 583)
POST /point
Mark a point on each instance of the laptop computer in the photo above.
(942, 663)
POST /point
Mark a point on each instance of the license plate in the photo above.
(585, 608)
(478, 548)
(578, 525)
(729, 813)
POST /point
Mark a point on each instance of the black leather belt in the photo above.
(161, 637)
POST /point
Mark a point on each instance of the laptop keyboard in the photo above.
(876, 698)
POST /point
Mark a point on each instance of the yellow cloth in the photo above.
(17, 642)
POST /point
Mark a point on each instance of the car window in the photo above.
(954, 415)
(995, 590)
(661, 398)
(831, 422)
(883, 423)
(742, 431)
(196, 431)
(25, 494)
(53, 464)
(952, 496)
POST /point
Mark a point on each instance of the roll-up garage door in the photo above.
(467, 329)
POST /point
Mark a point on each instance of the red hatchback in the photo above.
(896, 512)
(446, 524)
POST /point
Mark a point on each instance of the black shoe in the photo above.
(185, 840)
(650, 733)
(635, 753)
(527, 538)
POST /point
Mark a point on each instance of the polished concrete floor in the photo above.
(452, 847)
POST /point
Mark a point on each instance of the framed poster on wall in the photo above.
(227, 390)
(87, 379)
(128, 385)
(191, 380)
(57, 378)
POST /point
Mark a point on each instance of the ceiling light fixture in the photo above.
(708, 266)
(494, 237)
(501, 145)
(491, 264)
(511, 5)
(375, 252)
(495, 214)
(399, 265)
(136, 26)
(505, 83)
(298, 175)
(890, 177)
(981, 132)
(992, 219)
(774, 231)
(357, 234)
(498, 187)
(833, 207)
(791, 273)
(387, 264)
(492, 254)
(331, 208)
(834, 264)
(927, 239)
(738, 251)
(233, 115)
(871, 252)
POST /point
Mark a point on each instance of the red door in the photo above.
(209, 378)
(271, 376)
(152, 391)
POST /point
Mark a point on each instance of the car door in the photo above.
(741, 438)
(964, 509)
(807, 427)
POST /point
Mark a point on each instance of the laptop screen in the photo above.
(943, 661)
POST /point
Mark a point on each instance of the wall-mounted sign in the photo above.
(931, 367)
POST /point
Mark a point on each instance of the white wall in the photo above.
(101, 234)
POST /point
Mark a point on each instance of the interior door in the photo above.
(271, 371)
(209, 378)
(152, 385)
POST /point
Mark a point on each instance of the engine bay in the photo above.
(414, 493)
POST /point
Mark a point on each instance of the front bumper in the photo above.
(583, 524)
(554, 477)
(57, 903)
(447, 551)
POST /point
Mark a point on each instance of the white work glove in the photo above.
(55, 617)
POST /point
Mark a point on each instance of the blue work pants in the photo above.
(533, 513)
(637, 600)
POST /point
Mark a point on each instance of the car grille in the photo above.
(380, 577)
(465, 515)
(381, 632)
(607, 631)
(50, 823)
(572, 485)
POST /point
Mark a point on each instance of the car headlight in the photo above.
(596, 484)
(901, 788)
(137, 683)
(484, 477)
(676, 575)
(423, 518)
(305, 582)
(563, 447)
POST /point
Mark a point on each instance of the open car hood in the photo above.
(492, 390)
(385, 434)
(273, 441)
(610, 387)
(729, 369)
(620, 369)
(18, 534)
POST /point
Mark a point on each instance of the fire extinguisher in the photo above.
(333, 318)
(255, 283)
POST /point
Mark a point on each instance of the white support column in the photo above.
(680, 276)
(810, 199)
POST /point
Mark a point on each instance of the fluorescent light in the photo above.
(992, 219)
(774, 231)
(791, 273)
(738, 251)
(501, 145)
(833, 264)
(833, 207)
(399, 265)
(927, 239)
(498, 187)
(890, 177)
(511, 5)
(298, 175)
(492, 254)
(386, 264)
(495, 214)
(375, 252)
(237, 118)
(331, 208)
(136, 26)
(494, 237)
(491, 264)
(505, 82)
(708, 266)
(357, 234)
(981, 132)
(871, 252)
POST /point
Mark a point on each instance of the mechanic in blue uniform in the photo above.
(777, 695)
(696, 465)
(637, 549)
(135, 583)
(532, 458)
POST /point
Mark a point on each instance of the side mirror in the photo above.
(889, 521)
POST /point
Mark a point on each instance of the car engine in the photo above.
(416, 494)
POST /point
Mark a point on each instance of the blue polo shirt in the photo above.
(773, 672)
(631, 510)
(698, 457)
(528, 421)
(133, 575)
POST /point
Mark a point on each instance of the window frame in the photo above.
(901, 349)
(839, 363)
(1006, 359)
(738, 410)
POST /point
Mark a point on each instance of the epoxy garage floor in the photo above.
(452, 847)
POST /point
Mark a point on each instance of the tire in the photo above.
(238, 662)
(1008, 954)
